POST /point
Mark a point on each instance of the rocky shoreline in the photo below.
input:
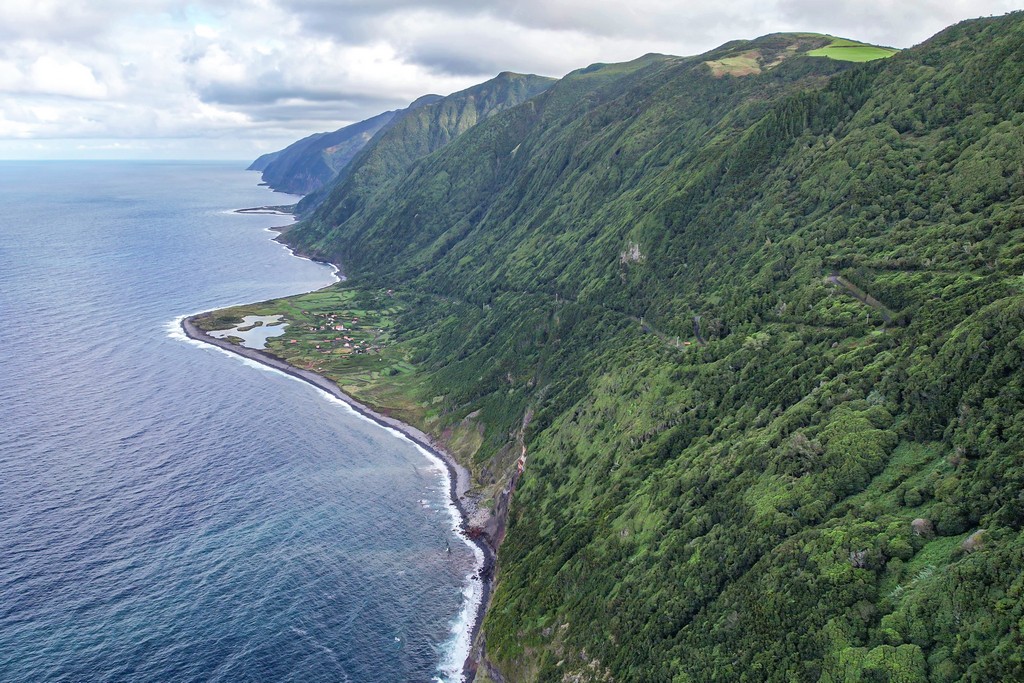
(473, 520)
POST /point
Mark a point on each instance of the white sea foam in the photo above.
(455, 650)
(177, 332)
(335, 271)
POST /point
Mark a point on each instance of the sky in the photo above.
(173, 79)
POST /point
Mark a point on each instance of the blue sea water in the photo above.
(168, 511)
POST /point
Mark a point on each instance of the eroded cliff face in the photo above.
(488, 524)
(491, 529)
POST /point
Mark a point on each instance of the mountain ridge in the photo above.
(745, 346)
(420, 130)
(312, 162)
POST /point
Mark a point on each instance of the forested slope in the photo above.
(758, 319)
(427, 125)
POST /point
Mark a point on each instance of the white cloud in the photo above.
(899, 24)
(238, 78)
(14, 128)
(76, 21)
(62, 76)
(204, 31)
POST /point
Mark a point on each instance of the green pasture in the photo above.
(851, 51)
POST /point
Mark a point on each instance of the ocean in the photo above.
(172, 512)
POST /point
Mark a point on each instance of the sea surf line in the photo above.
(456, 651)
(141, 478)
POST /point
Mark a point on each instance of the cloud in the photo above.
(74, 21)
(899, 24)
(214, 76)
(63, 76)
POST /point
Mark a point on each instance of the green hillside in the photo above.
(757, 319)
(428, 124)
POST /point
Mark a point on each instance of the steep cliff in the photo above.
(751, 324)
(312, 162)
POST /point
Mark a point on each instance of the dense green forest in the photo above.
(757, 318)
(426, 125)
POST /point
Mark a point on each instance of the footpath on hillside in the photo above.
(860, 295)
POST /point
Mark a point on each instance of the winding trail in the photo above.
(860, 295)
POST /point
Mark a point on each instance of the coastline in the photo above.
(282, 229)
(458, 476)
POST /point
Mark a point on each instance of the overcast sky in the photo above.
(176, 79)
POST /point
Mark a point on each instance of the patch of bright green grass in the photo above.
(850, 51)
(364, 358)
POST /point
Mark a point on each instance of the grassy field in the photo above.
(740, 65)
(352, 337)
(851, 51)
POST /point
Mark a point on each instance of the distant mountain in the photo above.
(264, 160)
(427, 125)
(307, 165)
